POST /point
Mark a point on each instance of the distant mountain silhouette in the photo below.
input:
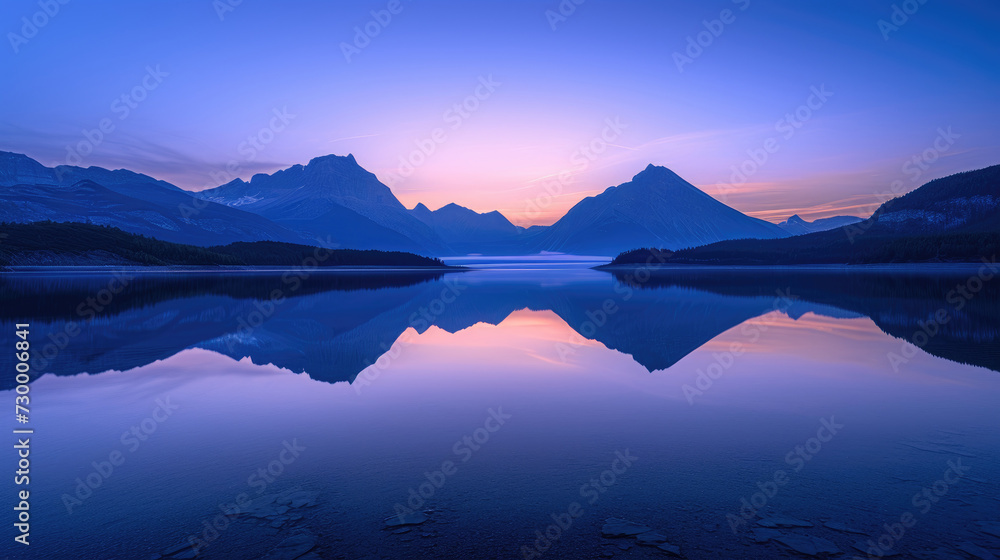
(335, 197)
(656, 209)
(333, 200)
(20, 169)
(136, 203)
(795, 225)
(468, 231)
(952, 219)
(332, 197)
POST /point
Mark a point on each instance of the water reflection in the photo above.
(567, 354)
(335, 325)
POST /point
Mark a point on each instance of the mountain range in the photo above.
(797, 226)
(133, 202)
(335, 201)
(954, 218)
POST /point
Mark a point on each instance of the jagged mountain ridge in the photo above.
(315, 197)
(795, 225)
(136, 203)
(468, 231)
(335, 200)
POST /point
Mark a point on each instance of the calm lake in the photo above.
(510, 410)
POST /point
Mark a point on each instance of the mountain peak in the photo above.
(452, 207)
(657, 180)
(656, 209)
(655, 170)
(334, 160)
(657, 173)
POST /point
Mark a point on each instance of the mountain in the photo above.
(656, 209)
(335, 200)
(964, 202)
(952, 219)
(797, 226)
(20, 169)
(31, 192)
(332, 196)
(468, 231)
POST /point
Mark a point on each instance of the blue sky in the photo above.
(215, 90)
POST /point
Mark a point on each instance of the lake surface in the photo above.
(512, 409)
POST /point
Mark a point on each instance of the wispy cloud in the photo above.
(353, 138)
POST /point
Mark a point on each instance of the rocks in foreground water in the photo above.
(404, 519)
(940, 553)
(644, 535)
(670, 549)
(273, 506)
(652, 538)
(276, 511)
(614, 528)
(838, 526)
(976, 551)
(182, 551)
(773, 522)
(761, 536)
(808, 545)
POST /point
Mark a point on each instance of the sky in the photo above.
(773, 107)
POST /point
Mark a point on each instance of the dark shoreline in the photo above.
(880, 267)
(223, 269)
